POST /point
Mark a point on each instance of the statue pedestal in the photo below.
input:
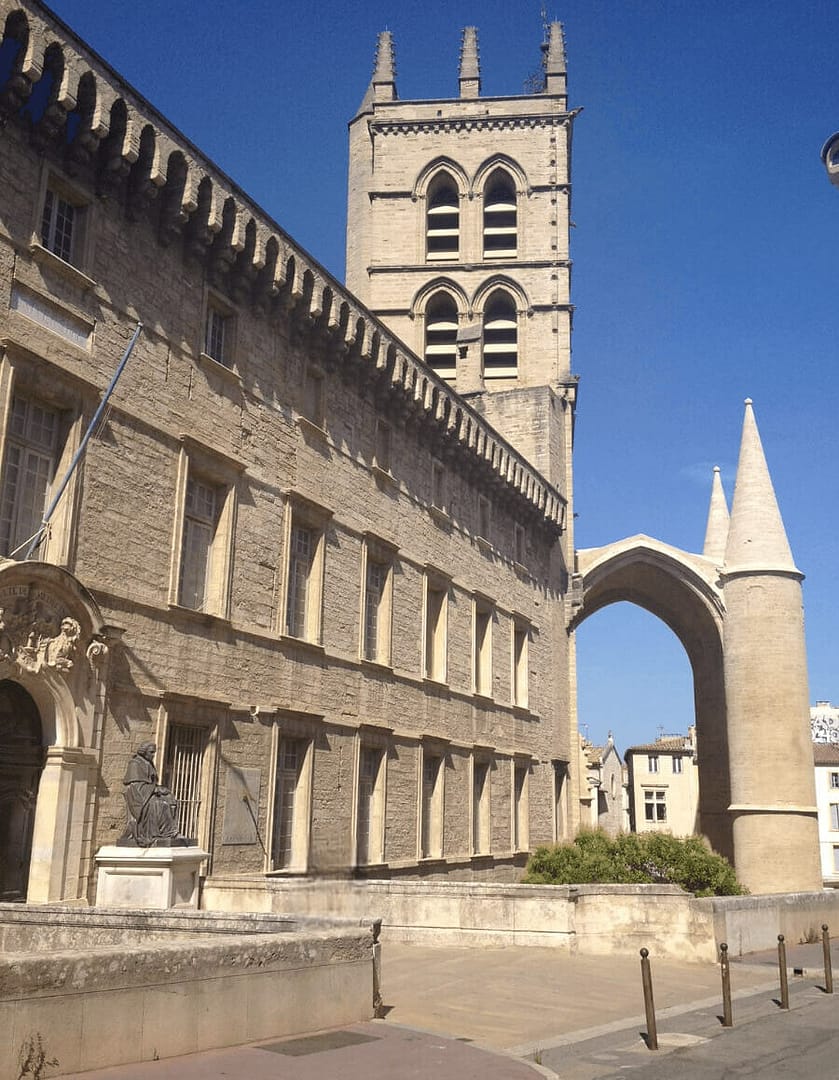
(156, 877)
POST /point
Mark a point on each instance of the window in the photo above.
(300, 564)
(29, 468)
(484, 516)
(652, 763)
(443, 220)
(431, 806)
(834, 817)
(520, 836)
(313, 397)
(482, 648)
(201, 514)
(655, 806)
(61, 228)
(500, 337)
(378, 586)
(290, 834)
(519, 665)
(438, 485)
(304, 572)
(436, 604)
(520, 541)
(382, 455)
(480, 807)
(834, 779)
(218, 335)
(370, 806)
(441, 335)
(836, 859)
(203, 544)
(677, 763)
(500, 229)
(183, 774)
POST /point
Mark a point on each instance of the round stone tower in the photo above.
(773, 800)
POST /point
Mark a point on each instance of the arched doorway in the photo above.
(21, 762)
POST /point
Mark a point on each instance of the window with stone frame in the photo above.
(304, 568)
(204, 528)
(62, 225)
(377, 601)
(219, 332)
(482, 616)
(292, 803)
(677, 763)
(520, 813)
(184, 775)
(652, 763)
(435, 628)
(834, 779)
(431, 804)
(32, 449)
(834, 817)
(481, 823)
(519, 679)
(370, 805)
(655, 806)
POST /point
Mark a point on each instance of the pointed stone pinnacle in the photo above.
(757, 539)
(716, 531)
(470, 67)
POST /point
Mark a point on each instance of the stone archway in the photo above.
(21, 764)
(53, 651)
(681, 590)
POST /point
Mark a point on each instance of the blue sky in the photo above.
(705, 244)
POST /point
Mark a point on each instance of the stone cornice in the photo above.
(122, 146)
(434, 125)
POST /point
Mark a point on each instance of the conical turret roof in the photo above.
(757, 539)
(716, 531)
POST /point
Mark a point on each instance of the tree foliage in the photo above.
(635, 859)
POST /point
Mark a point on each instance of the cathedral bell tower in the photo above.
(457, 238)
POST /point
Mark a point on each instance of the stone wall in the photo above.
(86, 1003)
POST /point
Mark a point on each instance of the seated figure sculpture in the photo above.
(152, 809)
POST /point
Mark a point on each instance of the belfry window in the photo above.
(500, 219)
(500, 337)
(442, 231)
(441, 335)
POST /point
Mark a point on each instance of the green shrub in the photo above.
(634, 859)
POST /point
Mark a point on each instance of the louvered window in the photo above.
(501, 348)
(500, 220)
(443, 222)
(441, 335)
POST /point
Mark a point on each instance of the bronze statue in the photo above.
(152, 809)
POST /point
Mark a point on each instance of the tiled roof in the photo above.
(675, 744)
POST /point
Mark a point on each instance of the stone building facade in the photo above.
(327, 581)
(663, 785)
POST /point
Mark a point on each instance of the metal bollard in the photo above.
(725, 971)
(782, 968)
(377, 970)
(828, 966)
(649, 1004)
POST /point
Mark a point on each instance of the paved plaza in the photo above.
(517, 1013)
